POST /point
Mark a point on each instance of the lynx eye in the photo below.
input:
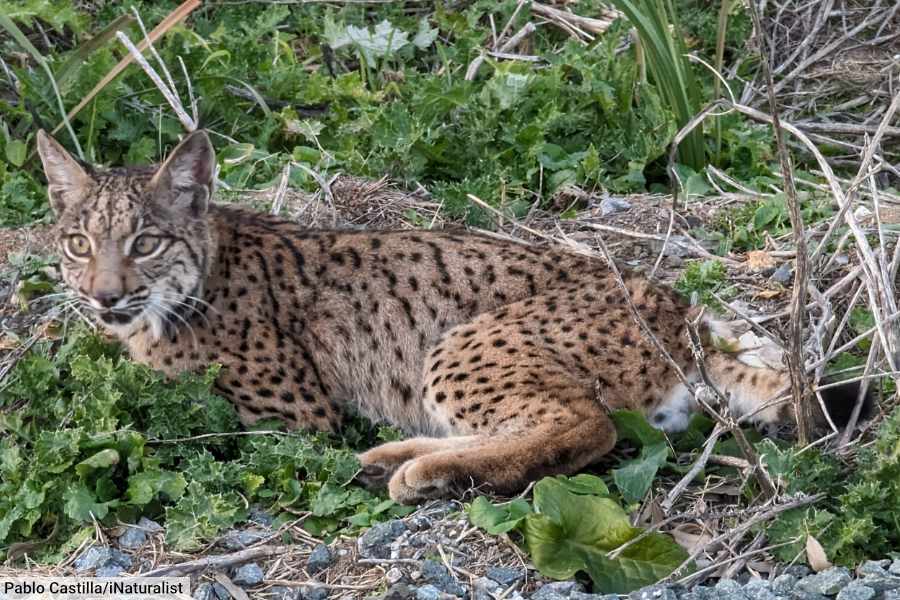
(145, 245)
(78, 246)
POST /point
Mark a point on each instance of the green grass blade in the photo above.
(69, 68)
(26, 44)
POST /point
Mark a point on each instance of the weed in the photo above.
(701, 279)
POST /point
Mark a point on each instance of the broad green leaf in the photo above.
(643, 563)
(16, 152)
(633, 426)
(144, 487)
(104, 458)
(425, 36)
(565, 526)
(498, 518)
(81, 505)
(636, 476)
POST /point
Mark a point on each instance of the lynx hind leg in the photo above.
(381, 462)
(505, 462)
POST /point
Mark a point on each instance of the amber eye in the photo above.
(78, 245)
(145, 245)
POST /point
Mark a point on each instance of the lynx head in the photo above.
(134, 243)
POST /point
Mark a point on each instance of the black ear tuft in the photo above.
(840, 400)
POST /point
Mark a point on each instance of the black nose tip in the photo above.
(107, 299)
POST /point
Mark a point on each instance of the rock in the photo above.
(239, 539)
(111, 570)
(894, 569)
(799, 594)
(653, 592)
(375, 542)
(485, 589)
(892, 595)
(826, 583)
(701, 592)
(798, 571)
(400, 591)
(612, 204)
(856, 591)
(783, 274)
(428, 592)
(260, 517)
(874, 567)
(284, 593)
(96, 557)
(393, 575)
(249, 574)
(759, 589)
(320, 559)
(437, 575)
(211, 591)
(133, 538)
(784, 584)
(729, 588)
(505, 576)
(315, 594)
(881, 583)
(557, 590)
(583, 596)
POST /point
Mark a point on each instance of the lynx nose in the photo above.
(107, 298)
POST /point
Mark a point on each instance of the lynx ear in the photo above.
(67, 181)
(185, 180)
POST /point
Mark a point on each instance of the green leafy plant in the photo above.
(574, 525)
(701, 279)
(84, 435)
(663, 45)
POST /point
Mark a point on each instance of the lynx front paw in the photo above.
(419, 480)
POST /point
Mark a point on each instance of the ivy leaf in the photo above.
(100, 460)
(496, 519)
(81, 505)
(16, 152)
(146, 486)
(645, 562)
(636, 476)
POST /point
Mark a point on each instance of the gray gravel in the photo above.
(415, 554)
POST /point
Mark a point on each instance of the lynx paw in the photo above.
(419, 480)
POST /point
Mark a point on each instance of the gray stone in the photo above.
(557, 590)
(315, 594)
(798, 571)
(437, 575)
(261, 517)
(320, 559)
(856, 591)
(613, 204)
(799, 594)
(505, 576)
(133, 538)
(892, 595)
(874, 567)
(149, 525)
(653, 592)
(701, 592)
(485, 589)
(96, 557)
(375, 542)
(211, 591)
(759, 589)
(827, 583)
(729, 588)
(284, 593)
(399, 591)
(881, 583)
(428, 592)
(249, 574)
(784, 584)
(110, 570)
(240, 539)
(783, 274)
(583, 596)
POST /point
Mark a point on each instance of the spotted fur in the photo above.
(500, 359)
